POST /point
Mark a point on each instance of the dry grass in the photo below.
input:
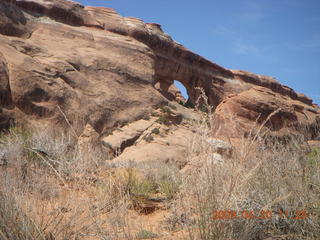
(262, 175)
(48, 187)
(53, 189)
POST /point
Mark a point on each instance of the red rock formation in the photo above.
(241, 113)
(67, 12)
(101, 68)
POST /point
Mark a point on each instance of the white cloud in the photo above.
(239, 43)
(253, 12)
(224, 31)
(248, 49)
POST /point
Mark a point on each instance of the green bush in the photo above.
(163, 120)
(165, 109)
(139, 187)
(172, 106)
(155, 131)
(312, 165)
(149, 186)
(168, 187)
(154, 114)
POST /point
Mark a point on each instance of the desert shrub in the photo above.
(170, 105)
(165, 115)
(38, 165)
(181, 102)
(155, 131)
(168, 188)
(148, 186)
(177, 220)
(52, 149)
(145, 234)
(49, 168)
(165, 109)
(203, 108)
(148, 138)
(154, 114)
(146, 116)
(313, 155)
(262, 175)
(136, 187)
(163, 119)
(14, 223)
(165, 176)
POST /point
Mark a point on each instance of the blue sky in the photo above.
(278, 38)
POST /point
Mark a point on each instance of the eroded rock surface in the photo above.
(280, 115)
(61, 61)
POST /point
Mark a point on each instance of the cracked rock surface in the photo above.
(61, 60)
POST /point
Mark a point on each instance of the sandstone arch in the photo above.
(109, 76)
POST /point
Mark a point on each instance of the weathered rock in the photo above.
(243, 113)
(88, 138)
(67, 62)
(169, 146)
(125, 137)
(91, 75)
(172, 93)
(64, 11)
(12, 19)
(5, 92)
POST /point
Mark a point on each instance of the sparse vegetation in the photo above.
(154, 114)
(155, 131)
(39, 165)
(14, 224)
(181, 102)
(148, 138)
(165, 109)
(203, 108)
(75, 200)
(146, 117)
(168, 188)
(145, 234)
(163, 119)
(170, 105)
(139, 187)
(261, 176)
(165, 116)
(145, 188)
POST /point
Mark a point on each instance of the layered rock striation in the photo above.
(60, 60)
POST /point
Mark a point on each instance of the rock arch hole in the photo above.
(174, 90)
(182, 89)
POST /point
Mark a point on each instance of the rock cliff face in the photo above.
(60, 60)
